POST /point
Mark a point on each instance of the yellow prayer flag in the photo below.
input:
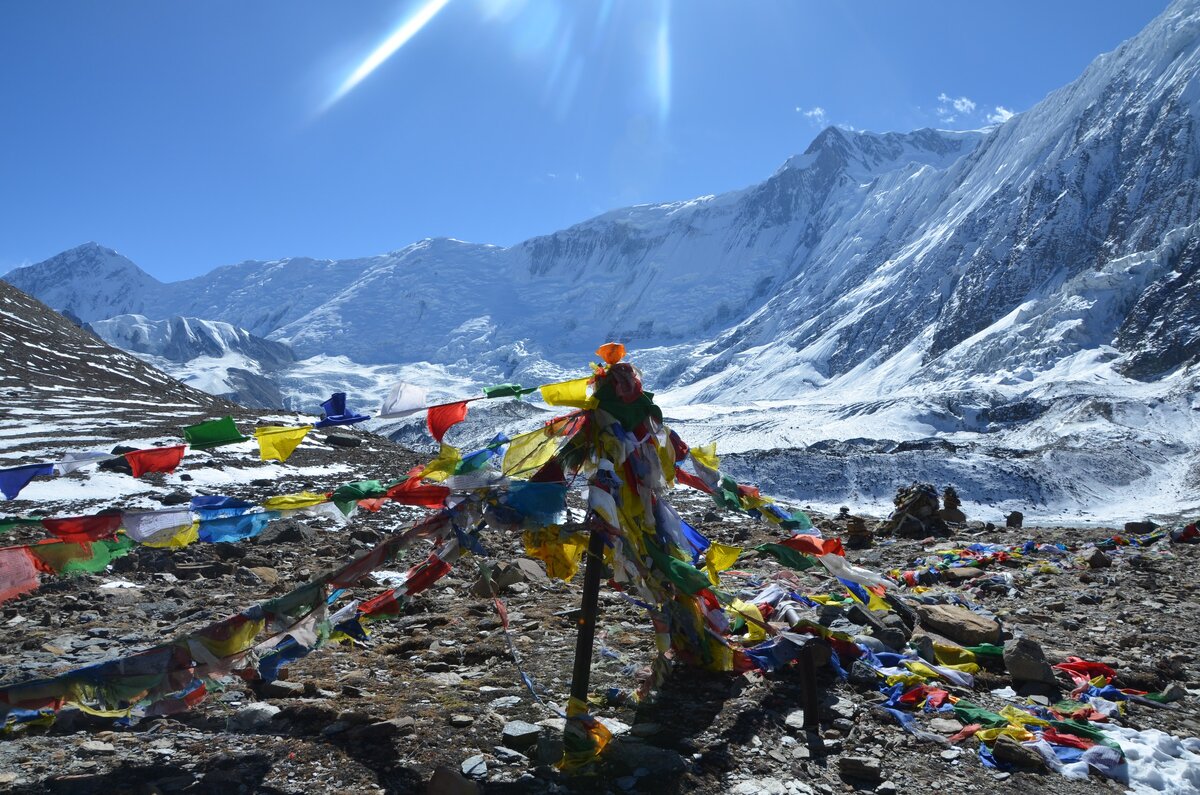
(569, 393)
(443, 465)
(952, 655)
(707, 455)
(174, 537)
(234, 639)
(1019, 717)
(718, 558)
(1015, 732)
(529, 451)
(752, 614)
(294, 502)
(278, 442)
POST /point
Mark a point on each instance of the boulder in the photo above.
(1006, 749)
(959, 624)
(1026, 662)
(520, 735)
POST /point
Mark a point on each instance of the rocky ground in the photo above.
(434, 701)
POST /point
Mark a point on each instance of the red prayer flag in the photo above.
(78, 529)
(441, 418)
(814, 545)
(688, 479)
(411, 492)
(155, 459)
(425, 574)
(383, 605)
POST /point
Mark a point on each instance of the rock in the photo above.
(532, 570)
(862, 675)
(1174, 692)
(1014, 519)
(1138, 528)
(282, 689)
(265, 573)
(961, 574)
(1006, 749)
(97, 747)
(445, 781)
(1098, 559)
(1026, 662)
(286, 531)
(945, 726)
(342, 440)
(387, 729)
(627, 755)
(474, 766)
(520, 735)
(445, 679)
(252, 718)
(839, 708)
(959, 624)
(795, 720)
(461, 721)
(887, 788)
(950, 754)
(865, 768)
(505, 702)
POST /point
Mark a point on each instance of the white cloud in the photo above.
(950, 108)
(816, 115)
(1001, 115)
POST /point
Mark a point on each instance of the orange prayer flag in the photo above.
(611, 352)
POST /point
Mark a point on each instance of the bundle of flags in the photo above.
(612, 437)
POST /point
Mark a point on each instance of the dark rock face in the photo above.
(1162, 331)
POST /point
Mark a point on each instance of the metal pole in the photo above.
(582, 672)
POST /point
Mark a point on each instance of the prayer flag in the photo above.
(718, 558)
(279, 442)
(611, 352)
(508, 390)
(335, 412)
(13, 479)
(569, 393)
(441, 418)
(235, 528)
(84, 528)
(294, 502)
(402, 400)
(155, 459)
(411, 492)
(213, 433)
(141, 525)
(71, 462)
(18, 573)
(443, 465)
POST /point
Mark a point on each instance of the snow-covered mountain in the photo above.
(205, 354)
(890, 286)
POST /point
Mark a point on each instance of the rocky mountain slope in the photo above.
(208, 355)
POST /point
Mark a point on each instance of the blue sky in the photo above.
(193, 135)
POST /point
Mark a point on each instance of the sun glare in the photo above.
(409, 28)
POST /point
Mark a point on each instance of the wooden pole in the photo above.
(586, 636)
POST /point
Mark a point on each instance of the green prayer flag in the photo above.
(798, 521)
(986, 650)
(967, 712)
(687, 578)
(346, 495)
(507, 390)
(1085, 730)
(213, 433)
(787, 556)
